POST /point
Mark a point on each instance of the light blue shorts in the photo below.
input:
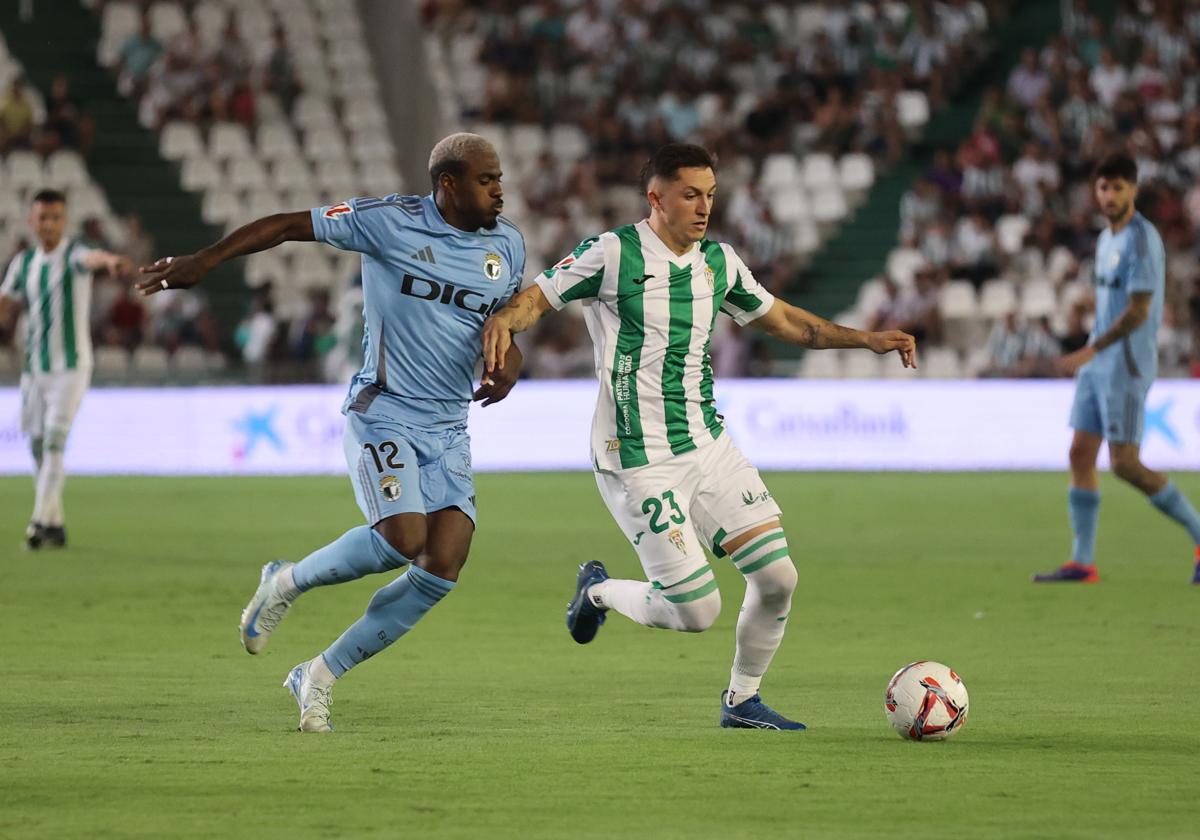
(1114, 409)
(397, 468)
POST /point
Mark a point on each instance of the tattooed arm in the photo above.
(801, 327)
(521, 313)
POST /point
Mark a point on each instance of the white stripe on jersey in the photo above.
(51, 343)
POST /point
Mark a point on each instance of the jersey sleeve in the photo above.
(78, 254)
(9, 288)
(518, 270)
(352, 226)
(746, 300)
(1144, 269)
(577, 276)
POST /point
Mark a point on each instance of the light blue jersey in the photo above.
(1132, 260)
(427, 288)
(1110, 390)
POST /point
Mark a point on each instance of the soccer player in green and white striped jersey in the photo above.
(674, 482)
(53, 283)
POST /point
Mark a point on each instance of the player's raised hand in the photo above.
(497, 338)
(172, 273)
(901, 342)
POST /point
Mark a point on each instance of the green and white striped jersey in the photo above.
(651, 313)
(56, 291)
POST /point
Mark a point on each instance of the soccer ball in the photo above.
(926, 701)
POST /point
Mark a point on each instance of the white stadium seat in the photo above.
(1010, 232)
(912, 109)
(111, 361)
(246, 173)
(790, 205)
(856, 172)
(150, 361)
(23, 170)
(219, 206)
(292, 174)
(180, 140)
(199, 173)
(65, 169)
(188, 361)
(780, 171)
(227, 141)
(1038, 299)
(277, 140)
(997, 298)
(829, 205)
(940, 363)
(167, 20)
(821, 364)
(819, 172)
(862, 364)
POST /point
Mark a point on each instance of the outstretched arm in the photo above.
(801, 327)
(114, 264)
(521, 313)
(1135, 314)
(261, 234)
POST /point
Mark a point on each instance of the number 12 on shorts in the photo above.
(653, 506)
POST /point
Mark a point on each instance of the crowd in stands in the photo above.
(1011, 211)
(44, 125)
(752, 81)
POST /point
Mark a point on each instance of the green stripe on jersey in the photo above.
(679, 339)
(714, 257)
(584, 289)
(630, 338)
(741, 298)
(68, 326)
(44, 292)
(23, 286)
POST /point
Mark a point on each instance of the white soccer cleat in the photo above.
(314, 699)
(266, 609)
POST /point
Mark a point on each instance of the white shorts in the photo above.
(49, 402)
(673, 510)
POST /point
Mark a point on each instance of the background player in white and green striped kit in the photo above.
(674, 482)
(53, 283)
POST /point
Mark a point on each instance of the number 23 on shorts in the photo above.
(653, 507)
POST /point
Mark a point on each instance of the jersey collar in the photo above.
(437, 222)
(54, 254)
(655, 245)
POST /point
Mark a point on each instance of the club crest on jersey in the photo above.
(710, 277)
(492, 267)
(1115, 259)
(338, 210)
(677, 540)
(390, 487)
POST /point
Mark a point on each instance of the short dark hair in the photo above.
(49, 197)
(669, 159)
(1117, 165)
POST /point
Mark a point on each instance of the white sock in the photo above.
(691, 605)
(763, 618)
(48, 504)
(319, 672)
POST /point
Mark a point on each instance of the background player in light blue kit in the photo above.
(433, 269)
(1116, 369)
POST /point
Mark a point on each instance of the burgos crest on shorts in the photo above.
(389, 486)
(492, 266)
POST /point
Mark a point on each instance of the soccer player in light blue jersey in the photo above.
(1115, 369)
(433, 269)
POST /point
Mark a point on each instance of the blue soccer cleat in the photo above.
(753, 713)
(1070, 573)
(314, 699)
(583, 617)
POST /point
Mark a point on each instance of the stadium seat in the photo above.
(291, 174)
(856, 172)
(180, 141)
(150, 362)
(211, 16)
(23, 170)
(264, 267)
(313, 111)
(940, 363)
(977, 359)
(912, 110)
(1010, 232)
(902, 264)
(806, 239)
(862, 364)
(88, 200)
(528, 140)
(568, 142)
(227, 141)
(111, 362)
(65, 169)
(167, 20)
(246, 173)
(819, 172)
(325, 144)
(1038, 299)
(997, 298)
(276, 141)
(871, 295)
(199, 173)
(829, 206)
(780, 173)
(365, 115)
(821, 364)
(118, 21)
(959, 308)
(188, 362)
(790, 205)
(220, 205)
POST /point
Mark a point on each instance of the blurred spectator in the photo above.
(65, 126)
(137, 56)
(974, 249)
(138, 245)
(256, 334)
(311, 336)
(125, 323)
(1028, 82)
(92, 234)
(1005, 348)
(279, 73)
(1108, 79)
(16, 118)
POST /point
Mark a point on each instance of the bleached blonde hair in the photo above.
(451, 153)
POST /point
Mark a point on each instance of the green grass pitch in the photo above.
(130, 709)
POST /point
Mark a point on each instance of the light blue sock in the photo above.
(1085, 512)
(393, 611)
(360, 551)
(1171, 501)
